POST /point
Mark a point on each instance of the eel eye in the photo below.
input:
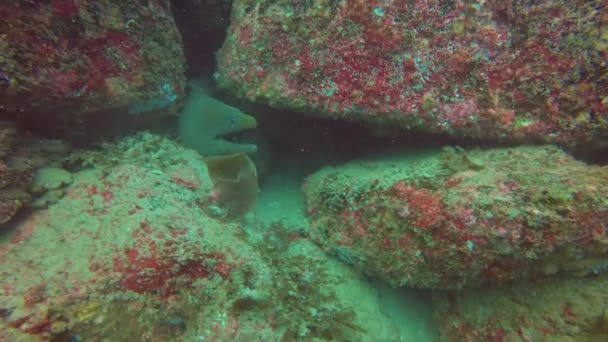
(233, 121)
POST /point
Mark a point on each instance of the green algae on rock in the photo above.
(51, 178)
(463, 218)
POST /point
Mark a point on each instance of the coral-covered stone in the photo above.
(85, 56)
(490, 69)
(454, 219)
(128, 254)
(130, 230)
(203, 24)
(554, 310)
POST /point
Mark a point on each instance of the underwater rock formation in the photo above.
(67, 57)
(494, 69)
(20, 157)
(554, 310)
(463, 218)
(129, 254)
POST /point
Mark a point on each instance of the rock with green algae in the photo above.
(489, 69)
(51, 178)
(20, 156)
(460, 218)
(63, 58)
(557, 309)
(129, 254)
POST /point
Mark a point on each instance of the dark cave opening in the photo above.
(203, 27)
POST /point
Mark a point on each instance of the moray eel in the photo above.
(204, 120)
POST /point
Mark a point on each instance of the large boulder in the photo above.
(63, 57)
(489, 69)
(553, 310)
(463, 218)
(129, 253)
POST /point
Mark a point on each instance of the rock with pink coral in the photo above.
(492, 69)
(463, 218)
(63, 58)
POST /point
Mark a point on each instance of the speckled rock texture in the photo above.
(461, 218)
(495, 69)
(64, 57)
(129, 253)
(554, 310)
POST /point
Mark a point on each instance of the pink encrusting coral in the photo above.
(85, 56)
(455, 219)
(489, 69)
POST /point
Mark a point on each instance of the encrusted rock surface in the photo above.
(129, 253)
(63, 57)
(463, 218)
(557, 309)
(492, 69)
(20, 156)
